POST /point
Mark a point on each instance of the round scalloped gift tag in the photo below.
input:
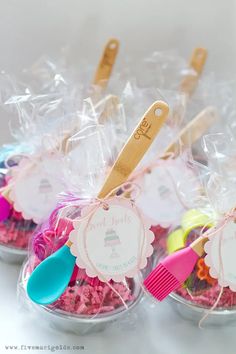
(220, 258)
(113, 242)
(160, 198)
(35, 185)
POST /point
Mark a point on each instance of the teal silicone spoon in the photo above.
(51, 277)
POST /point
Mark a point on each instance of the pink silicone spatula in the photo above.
(173, 270)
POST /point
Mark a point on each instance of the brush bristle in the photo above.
(160, 282)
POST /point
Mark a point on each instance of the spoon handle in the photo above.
(197, 63)
(106, 63)
(136, 146)
(194, 129)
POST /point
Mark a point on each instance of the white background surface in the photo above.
(29, 29)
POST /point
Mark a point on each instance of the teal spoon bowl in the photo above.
(51, 277)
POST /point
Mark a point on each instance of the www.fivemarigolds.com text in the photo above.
(51, 348)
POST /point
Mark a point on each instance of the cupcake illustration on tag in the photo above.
(45, 189)
(163, 191)
(112, 240)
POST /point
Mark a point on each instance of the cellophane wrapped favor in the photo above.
(40, 112)
(87, 303)
(202, 288)
(208, 293)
